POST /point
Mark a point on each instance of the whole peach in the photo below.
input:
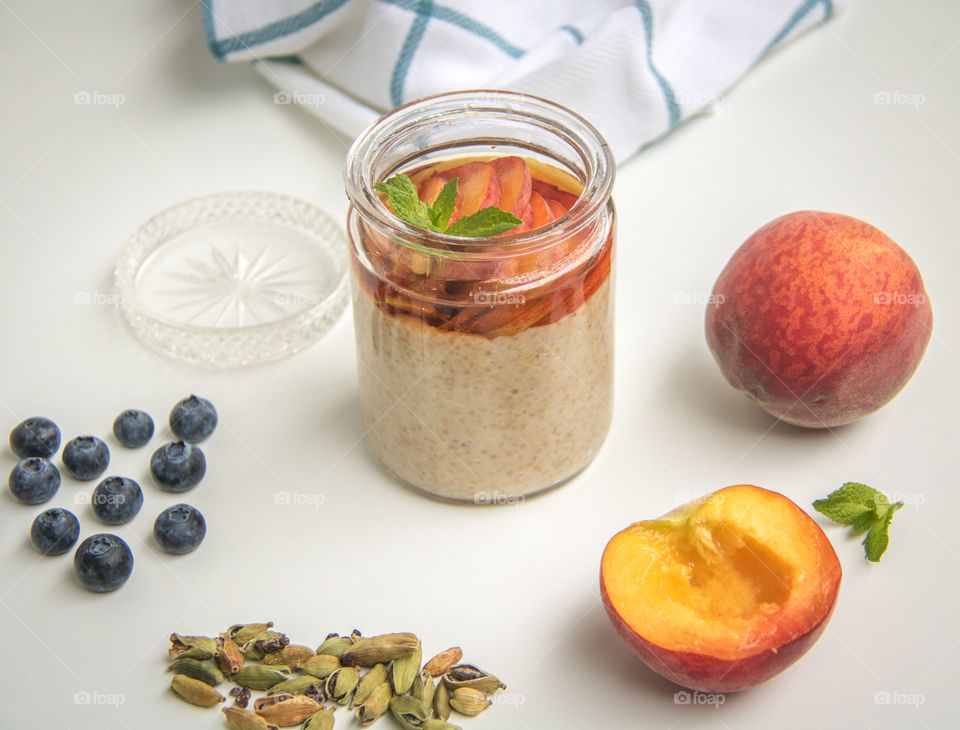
(820, 318)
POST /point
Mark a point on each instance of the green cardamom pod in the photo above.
(238, 719)
(194, 691)
(409, 712)
(438, 665)
(341, 683)
(335, 645)
(291, 655)
(405, 669)
(322, 720)
(192, 647)
(242, 633)
(229, 657)
(296, 685)
(257, 676)
(320, 665)
(205, 671)
(467, 675)
(286, 710)
(469, 701)
(441, 701)
(366, 652)
(376, 703)
(423, 688)
(368, 682)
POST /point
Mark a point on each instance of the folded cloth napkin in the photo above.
(635, 69)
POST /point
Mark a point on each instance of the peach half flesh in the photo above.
(722, 593)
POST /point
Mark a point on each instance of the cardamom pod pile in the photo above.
(371, 675)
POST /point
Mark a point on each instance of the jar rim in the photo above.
(593, 150)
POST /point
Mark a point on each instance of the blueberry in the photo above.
(34, 480)
(116, 500)
(179, 529)
(86, 457)
(133, 428)
(193, 419)
(55, 531)
(178, 466)
(36, 436)
(103, 563)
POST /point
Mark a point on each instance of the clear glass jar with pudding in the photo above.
(485, 364)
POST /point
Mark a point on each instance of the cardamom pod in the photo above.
(286, 710)
(409, 712)
(467, 675)
(469, 701)
(238, 719)
(194, 691)
(291, 655)
(322, 720)
(341, 683)
(229, 656)
(423, 688)
(375, 705)
(241, 697)
(441, 701)
(242, 633)
(366, 652)
(296, 685)
(270, 641)
(320, 665)
(192, 647)
(433, 723)
(205, 671)
(368, 682)
(257, 676)
(439, 664)
(405, 669)
(335, 645)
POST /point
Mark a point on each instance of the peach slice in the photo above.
(478, 188)
(515, 183)
(552, 192)
(541, 211)
(724, 592)
(430, 189)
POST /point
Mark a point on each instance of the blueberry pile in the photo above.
(103, 562)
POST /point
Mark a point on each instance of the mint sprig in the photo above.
(404, 199)
(866, 510)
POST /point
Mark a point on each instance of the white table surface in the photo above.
(516, 587)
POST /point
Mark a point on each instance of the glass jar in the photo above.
(485, 364)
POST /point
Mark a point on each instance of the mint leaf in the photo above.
(866, 510)
(487, 222)
(405, 200)
(444, 204)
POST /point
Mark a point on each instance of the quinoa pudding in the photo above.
(488, 377)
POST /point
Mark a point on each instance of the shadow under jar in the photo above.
(485, 364)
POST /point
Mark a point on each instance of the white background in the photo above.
(516, 587)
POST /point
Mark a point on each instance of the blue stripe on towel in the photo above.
(424, 10)
(222, 47)
(673, 108)
(806, 6)
(577, 35)
(455, 17)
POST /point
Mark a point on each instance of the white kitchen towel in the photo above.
(635, 69)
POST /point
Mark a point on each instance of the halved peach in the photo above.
(724, 592)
